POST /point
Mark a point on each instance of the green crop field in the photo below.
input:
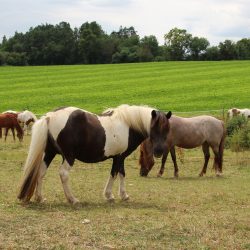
(162, 213)
(177, 86)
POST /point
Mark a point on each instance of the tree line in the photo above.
(59, 44)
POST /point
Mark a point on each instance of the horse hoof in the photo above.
(111, 200)
(73, 201)
(219, 174)
(159, 175)
(201, 174)
(125, 197)
(40, 199)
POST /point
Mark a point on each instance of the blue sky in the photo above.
(216, 20)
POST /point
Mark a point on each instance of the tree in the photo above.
(243, 49)
(227, 50)
(127, 45)
(198, 46)
(150, 43)
(178, 42)
(90, 43)
(212, 54)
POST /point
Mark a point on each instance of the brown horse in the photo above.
(9, 121)
(188, 133)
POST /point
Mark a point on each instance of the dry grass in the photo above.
(188, 213)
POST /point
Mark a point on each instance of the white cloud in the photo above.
(216, 20)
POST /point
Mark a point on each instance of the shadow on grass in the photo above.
(48, 207)
(188, 178)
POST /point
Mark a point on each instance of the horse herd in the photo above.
(78, 134)
(18, 121)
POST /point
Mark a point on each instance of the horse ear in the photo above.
(168, 115)
(154, 114)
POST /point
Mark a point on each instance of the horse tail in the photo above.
(221, 147)
(34, 159)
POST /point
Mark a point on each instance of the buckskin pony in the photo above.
(205, 131)
(78, 134)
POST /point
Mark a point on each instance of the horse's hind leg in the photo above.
(205, 149)
(38, 191)
(64, 175)
(173, 156)
(163, 161)
(217, 160)
(48, 157)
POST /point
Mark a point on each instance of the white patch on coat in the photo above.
(25, 116)
(117, 133)
(10, 111)
(235, 111)
(116, 126)
(58, 120)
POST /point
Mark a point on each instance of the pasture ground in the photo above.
(162, 213)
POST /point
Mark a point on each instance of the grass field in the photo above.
(177, 86)
(162, 213)
(165, 213)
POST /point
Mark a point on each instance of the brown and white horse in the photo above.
(9, 121)
(188, 133)
(235, 112)
(78, 134)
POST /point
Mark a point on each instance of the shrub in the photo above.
(240, 139)
(235, 124)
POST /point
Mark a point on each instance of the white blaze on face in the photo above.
(58, 120)
(117, 134)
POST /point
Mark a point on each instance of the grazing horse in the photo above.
(188, 133)
(234, 112)
(9, 121)
(26, 117)
(77, 134)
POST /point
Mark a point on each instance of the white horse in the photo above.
(235, 111)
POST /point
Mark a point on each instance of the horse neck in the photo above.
(139, 118)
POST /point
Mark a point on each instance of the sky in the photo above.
(216, 20)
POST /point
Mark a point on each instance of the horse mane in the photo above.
(137, 117)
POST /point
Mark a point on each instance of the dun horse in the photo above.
(188, 133)
(9, 121)
(77, 134)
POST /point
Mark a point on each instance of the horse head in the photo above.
(146, 160)
(158, 131)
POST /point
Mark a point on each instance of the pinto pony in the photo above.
(235, 112)
(77, 134)
(26, 117)
(9, 121)
(205, 131)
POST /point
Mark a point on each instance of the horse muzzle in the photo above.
(158, 154)
(143, 173)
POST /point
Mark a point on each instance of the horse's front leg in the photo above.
(113, 174)
(13, 133)
(6, 133)
(163, 161)
(173, 156)
(122, 191)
